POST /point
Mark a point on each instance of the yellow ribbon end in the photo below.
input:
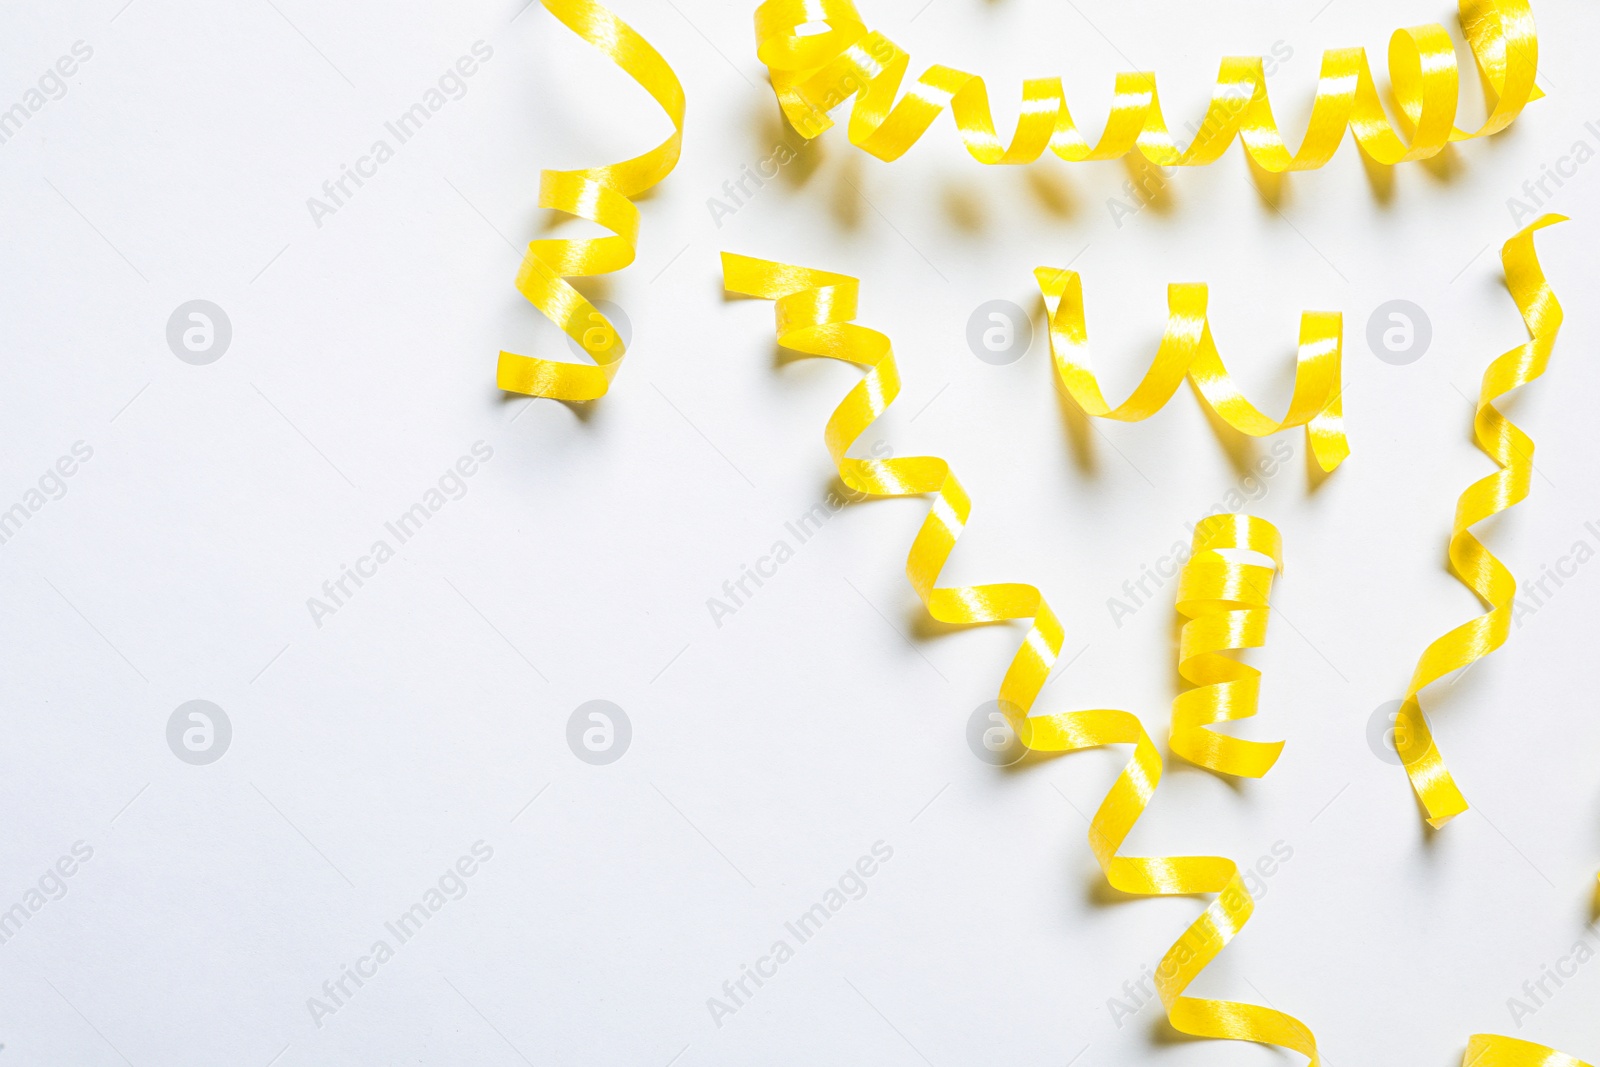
(602, 195)
(1492, 1050)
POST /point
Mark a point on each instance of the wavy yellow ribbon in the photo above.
(603, 195)
(1226, 602)
(1188, 350)
(814, 72)
(1477, 568)
(814, 309)
(1492, 1050)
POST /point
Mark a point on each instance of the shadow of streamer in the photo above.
(1052, 191)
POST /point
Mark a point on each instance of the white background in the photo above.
(369, 753)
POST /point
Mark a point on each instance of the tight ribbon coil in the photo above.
(1188, 350)
(1492, 1050)
(603, 195)
(1477, 568)
(814, 310)
(1226, 603)
(813, 73)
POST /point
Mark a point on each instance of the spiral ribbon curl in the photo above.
(813, 73)
(1226, 603)
(1188, 350)
(1477, 568)
(603, 195)
(813, 310)
(1492, 1050)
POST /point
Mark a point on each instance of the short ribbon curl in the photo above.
(1226, 603)
(813, 73)
(1188, 350)
(1475, 565)
(603, 195)
(1492, 1050)
(814, 309)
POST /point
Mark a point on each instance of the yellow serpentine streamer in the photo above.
(1477, 568)
(814, 310)
(1188, 350)
(603, 195)
(813, 73)
(1226, 603)
(1492, 1050)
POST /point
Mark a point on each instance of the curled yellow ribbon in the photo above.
(603, 195)
(1188, 350)
(813, 310)
(814, 72)
(1477, 568)
(1168, 876)
(1226, 603)
(1492, 1050)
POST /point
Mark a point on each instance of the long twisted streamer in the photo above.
(814, 310)
(1226, 603)
(813, 73)
(1478, 569)
(1492, 1050)
(1188, 350)
(603, 195)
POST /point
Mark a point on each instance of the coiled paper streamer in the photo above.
(602, 195)
(1492, 1050)
(1188, 350)
(1477, 568)
(814, 309)
(813, 73)
(1226, 603)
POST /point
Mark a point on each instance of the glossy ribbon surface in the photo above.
(1225, 600)
(814, 309)
(1188, 350)
(603, 195)
(1477, 568)
(1492, 1050)
(814, 72)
